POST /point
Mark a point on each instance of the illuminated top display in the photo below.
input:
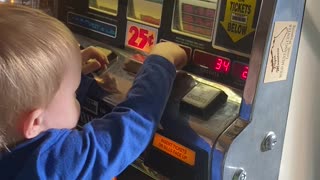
(145, 11)
(104, 6)
(195, 18)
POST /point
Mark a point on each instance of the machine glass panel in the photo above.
(104, 6)
(195, 18)
(145, 11)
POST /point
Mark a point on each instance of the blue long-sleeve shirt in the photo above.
(105, 146)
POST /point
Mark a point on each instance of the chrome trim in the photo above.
(259, 49)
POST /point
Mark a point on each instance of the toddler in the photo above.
(40, 72)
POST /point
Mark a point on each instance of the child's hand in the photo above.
(107, 82)
(93, 59)
(172, 52)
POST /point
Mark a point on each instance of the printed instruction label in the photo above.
(174, 149)
(280, 51)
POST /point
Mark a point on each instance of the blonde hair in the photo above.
(34, 48)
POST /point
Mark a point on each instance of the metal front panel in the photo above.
(270, 104)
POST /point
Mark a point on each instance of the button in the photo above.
(203, 100)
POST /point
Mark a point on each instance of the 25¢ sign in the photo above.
(141, 37)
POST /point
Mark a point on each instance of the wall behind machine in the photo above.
(301, 152)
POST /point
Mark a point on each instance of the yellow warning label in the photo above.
(174, 149)
(238, 18)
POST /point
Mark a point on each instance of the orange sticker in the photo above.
(174, 149)
(141, 37)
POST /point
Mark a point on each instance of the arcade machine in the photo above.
(48, 6)
(226, 116)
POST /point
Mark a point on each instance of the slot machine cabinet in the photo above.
(48, 6)
(230, 118)
(30, 3)
(96, 19)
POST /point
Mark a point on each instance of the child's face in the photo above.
(64, 109)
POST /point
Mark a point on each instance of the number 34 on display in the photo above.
(141, 37)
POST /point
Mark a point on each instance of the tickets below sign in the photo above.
(174, 149)
(238, 18)
(141, 37)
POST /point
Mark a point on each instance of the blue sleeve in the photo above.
(85, 84)
(106, 146)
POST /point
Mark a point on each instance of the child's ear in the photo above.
(32, 123)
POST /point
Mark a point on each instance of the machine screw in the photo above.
(269, 142)
(240, 174)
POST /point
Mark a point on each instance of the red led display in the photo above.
(221, 65)
(244, 73)
(217, 64)
(240, 71)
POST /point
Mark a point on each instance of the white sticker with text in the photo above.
(280, 51)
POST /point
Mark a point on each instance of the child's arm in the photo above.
(92, 60)
(108, 145)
